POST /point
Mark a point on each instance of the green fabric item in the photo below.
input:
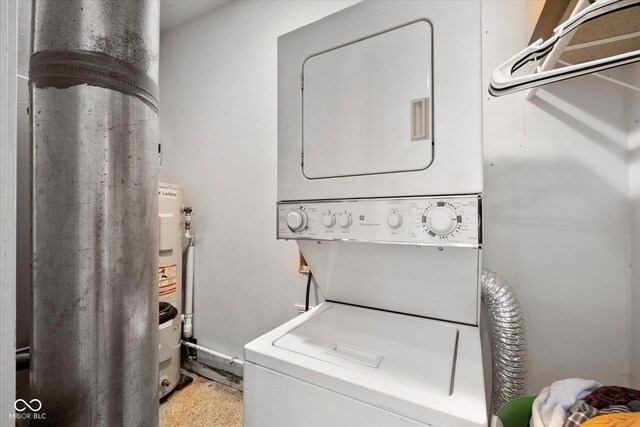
(517, 412)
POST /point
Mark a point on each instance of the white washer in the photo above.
(341, 365)
(379, 183)
(397, 342)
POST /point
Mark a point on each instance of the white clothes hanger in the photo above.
(503, 82)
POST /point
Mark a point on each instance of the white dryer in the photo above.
(379, 183)
(382, 99)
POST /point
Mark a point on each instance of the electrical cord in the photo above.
(306, 301)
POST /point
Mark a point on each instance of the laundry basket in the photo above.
(515, 413)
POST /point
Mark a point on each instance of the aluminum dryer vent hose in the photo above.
(508, 340)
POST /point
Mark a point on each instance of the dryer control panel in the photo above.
(438, 221)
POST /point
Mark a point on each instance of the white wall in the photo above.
(218, 79)
(557, 214)
(633, 103)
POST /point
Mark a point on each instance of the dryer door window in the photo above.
(368, 105)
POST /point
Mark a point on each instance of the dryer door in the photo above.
(367, 105)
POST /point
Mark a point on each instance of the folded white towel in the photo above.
(551, 405)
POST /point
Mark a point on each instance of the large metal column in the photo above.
(93, 77)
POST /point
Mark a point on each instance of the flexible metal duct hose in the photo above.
(508, 340)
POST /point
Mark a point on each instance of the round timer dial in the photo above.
(441, 220)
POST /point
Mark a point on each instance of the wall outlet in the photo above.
(303, 267)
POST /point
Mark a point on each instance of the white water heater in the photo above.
(170, 203)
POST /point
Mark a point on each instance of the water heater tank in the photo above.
(171, 231)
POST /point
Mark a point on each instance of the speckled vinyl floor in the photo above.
(202, 403)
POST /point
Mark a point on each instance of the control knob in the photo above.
(297, 220)
(442, 220)
(394, 220)
(329, 220)
(344, 220)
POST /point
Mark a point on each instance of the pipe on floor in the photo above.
(93, 79)
(228, 359)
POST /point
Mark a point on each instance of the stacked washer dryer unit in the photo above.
(379, 183)
(170, 203)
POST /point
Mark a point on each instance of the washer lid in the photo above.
(381, 349)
